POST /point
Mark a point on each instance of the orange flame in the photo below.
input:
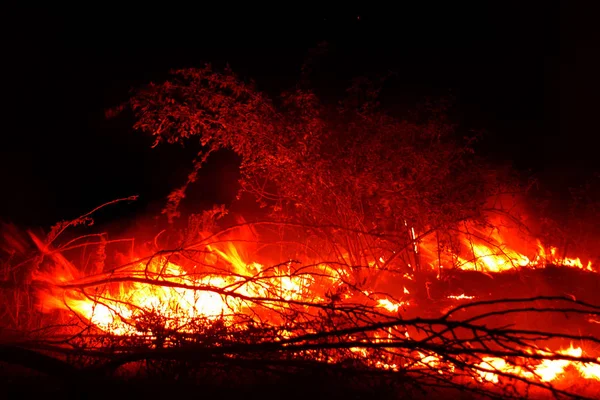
(226, 285)
(545, 371)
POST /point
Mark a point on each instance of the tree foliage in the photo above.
(349, 166)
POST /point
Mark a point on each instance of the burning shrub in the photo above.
(372, 179)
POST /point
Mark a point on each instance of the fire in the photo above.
(165, 290)
(546, 370)
(488, 250)
(164, 293)
(543, 257)
(391, 306)
(461, 296)
(488, 260)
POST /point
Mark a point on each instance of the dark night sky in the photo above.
(525, 73)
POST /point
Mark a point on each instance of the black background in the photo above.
(525, 73)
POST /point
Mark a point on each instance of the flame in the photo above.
(543, 258)
(545, 371)
(392, 306)
(493, 250)
(163, 289)
(228, 285)
(461, 296)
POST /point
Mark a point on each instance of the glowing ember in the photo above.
(461, 297)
